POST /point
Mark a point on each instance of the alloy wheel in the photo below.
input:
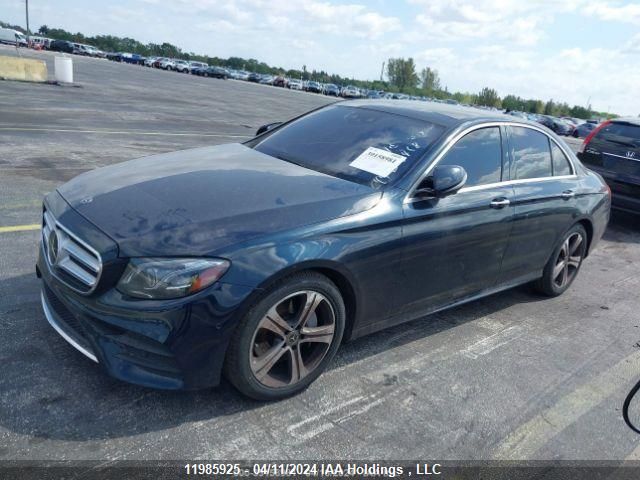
(291, 340)
(568, 261)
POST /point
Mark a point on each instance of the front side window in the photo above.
(480, 154)
(531, 154)
(334, 139)
(561, 165)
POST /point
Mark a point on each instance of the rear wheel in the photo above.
(287, 339)
(564, 264)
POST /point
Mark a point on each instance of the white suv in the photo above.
(295, 84)
(182, 66)
(167, 64)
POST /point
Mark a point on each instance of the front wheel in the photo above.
(564, 264)
(287, 338)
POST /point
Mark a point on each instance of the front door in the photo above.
(454, 246)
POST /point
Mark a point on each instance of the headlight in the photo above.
(161, 278)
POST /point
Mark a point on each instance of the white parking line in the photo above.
(130, 132)
(488, 344)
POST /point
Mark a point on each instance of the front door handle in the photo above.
(499, 202)
(567, 194)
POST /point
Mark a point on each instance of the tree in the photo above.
(430, 79)
(549, 107)
(402, 73)
(488, 97)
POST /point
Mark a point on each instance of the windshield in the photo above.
(358, 144)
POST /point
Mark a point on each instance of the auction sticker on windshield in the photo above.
(379, 162)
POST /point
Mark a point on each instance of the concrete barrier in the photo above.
(25, 69)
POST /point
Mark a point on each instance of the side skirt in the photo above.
(399, 319)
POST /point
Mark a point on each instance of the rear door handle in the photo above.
(567, 194)
(499, 202)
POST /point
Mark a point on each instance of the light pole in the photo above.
(26, 3)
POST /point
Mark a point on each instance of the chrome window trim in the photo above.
(81, 242)
(515, 182)
(52, 321)
(409, 198)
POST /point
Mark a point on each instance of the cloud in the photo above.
(633, 45)
(614, 11)
(457, 20)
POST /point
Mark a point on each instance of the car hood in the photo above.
(195, 202)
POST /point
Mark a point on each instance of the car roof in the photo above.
(444, 114)
(631, 120)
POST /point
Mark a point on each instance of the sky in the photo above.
(576, 51)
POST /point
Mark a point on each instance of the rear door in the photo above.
(614, 152)
(545, 190)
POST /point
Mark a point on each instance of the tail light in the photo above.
(593, 134)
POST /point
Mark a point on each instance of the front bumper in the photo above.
(177, 344)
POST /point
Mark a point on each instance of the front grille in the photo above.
(70, 259)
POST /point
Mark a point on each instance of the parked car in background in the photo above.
(149, 61)
(158, 60)
(280, 81)
(613, 150)
(350, 92)
(62, 46)
(216, 72)
(80, 49)
(266, 79)
(313, 86)
(331, 90)
(95, 52)
(166, 64)
(39, 43)
(237, 74)
(197, 66)
(557, 125)
(12, 37)
(254, 77)
(295, 84)
(515, 113)
(584, 129)
(134, 58)
(182, 66)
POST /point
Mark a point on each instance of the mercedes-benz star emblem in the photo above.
(52, 247)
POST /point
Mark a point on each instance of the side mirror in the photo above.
(267, 127)
(444, 180)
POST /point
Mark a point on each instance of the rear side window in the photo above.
(480, 154)
(624, 134)
(531, 154)
(561, 165)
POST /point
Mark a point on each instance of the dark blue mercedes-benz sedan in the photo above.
(258, 260)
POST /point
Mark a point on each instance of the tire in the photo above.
(564, 264)
(265, 365)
